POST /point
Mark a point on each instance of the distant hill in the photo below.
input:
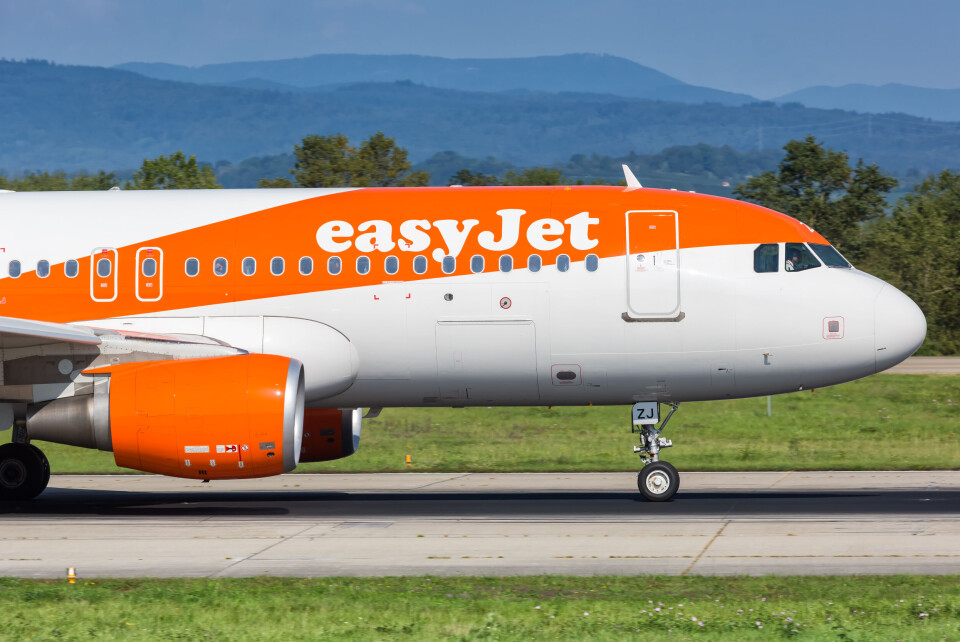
(586, 73)
(64, 117)
(702, 168)
(938, 104)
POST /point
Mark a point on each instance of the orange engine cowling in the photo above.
(330, 433)
(219, 418)
(212, 418)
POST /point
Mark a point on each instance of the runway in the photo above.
(927, 365)
(486, 524)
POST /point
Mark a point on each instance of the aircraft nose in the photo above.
(900, 327)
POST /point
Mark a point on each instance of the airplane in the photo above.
(219, 334)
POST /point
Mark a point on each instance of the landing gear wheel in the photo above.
(46, 467)
(658, 481)
(24, 471)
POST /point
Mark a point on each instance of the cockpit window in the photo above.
(829, 255)
(799, 258)
(766, 258)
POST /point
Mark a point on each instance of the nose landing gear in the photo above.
(658, 481)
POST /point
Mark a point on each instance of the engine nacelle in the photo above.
(216, 418)
(330, 433)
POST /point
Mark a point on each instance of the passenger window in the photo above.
(220, 266)
(799, 258)
(766, 258)
(43, 269)
(593, 262)
(249, 266)
(506, 263)
(334, 265)
(192, 267)
(71, 268)
(276, 266)
(476, 264)
(103, 268)
(14, 269)
(420, 264)
(391, 265)
(563, 262)
(306, 265)
(534, 262)
(829, 255)
(149, 267)
(363, 265)
(448, 265)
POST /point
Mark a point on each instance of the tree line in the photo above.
(913, 244)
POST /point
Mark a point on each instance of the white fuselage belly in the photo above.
(494, 338)
(416, 348)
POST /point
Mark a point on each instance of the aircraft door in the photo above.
(103, 274)
(149, 274)
(653, 264)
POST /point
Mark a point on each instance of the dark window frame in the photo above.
(300, 269)
(334, 261)
(808, 260)
(759, 257)
(366, 261)
(243, 266)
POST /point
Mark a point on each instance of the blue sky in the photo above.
(762, 47)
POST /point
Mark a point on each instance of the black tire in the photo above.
(46, 467)
(22, 471)
(658, 482)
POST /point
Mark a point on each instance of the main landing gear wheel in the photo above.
(658, 481)
(24, 471)
(46, 467)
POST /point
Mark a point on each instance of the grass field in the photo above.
(882, 422)
(432, 608)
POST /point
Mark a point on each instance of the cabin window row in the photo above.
(448, 265)
(70, 269)
(248, 266)
(391, 265)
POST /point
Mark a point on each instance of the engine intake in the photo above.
(218, 418)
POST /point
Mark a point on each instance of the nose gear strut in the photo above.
(658, 481)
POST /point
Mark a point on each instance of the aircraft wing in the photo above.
(24, 333)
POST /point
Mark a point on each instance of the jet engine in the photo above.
(330, 433)
(213, 418)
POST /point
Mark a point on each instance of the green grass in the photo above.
(516, 608)
(897, 422)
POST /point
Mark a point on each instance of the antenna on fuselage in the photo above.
(632, 181)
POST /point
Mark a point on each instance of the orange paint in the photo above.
(322, 435)
(169, 417)
(290, 231)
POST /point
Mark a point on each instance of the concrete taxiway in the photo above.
(486, 524)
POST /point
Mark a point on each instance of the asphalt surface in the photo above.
(927, 365)
(486, 524)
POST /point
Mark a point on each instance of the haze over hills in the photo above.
(937, 104)
(582, 73)
(95, 118)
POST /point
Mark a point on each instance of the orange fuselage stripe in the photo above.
(291, 231)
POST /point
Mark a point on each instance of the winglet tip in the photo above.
(630, 178)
